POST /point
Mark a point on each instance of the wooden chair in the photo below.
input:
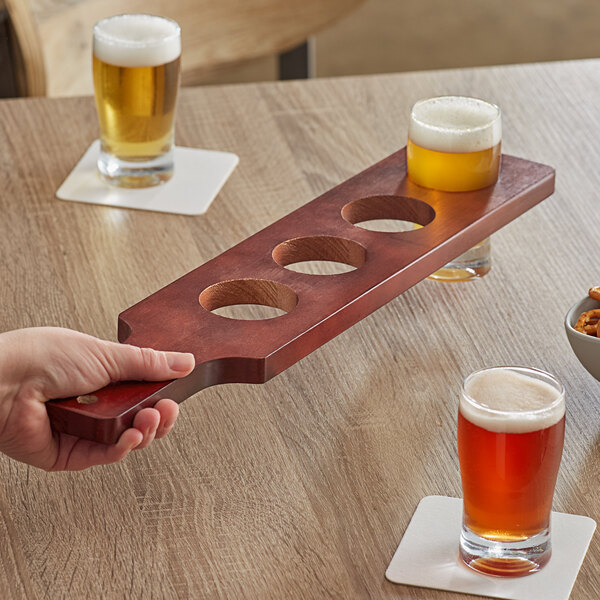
(53, 37)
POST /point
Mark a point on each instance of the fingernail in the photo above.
(180, 362)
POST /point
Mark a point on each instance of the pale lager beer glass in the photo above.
(511, 425)
(454, 146)
(136, 63)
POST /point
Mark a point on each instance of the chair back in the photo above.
(54, 36)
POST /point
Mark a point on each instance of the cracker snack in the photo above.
(588, 321)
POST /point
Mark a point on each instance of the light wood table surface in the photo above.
(302, 487)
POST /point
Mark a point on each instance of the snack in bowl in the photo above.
(585, 344)
(594, 292)
(588, 321)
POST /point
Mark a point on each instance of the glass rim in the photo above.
(490, 123)
(99, 34)
(560, 399)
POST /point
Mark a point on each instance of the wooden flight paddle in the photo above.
(317, 307)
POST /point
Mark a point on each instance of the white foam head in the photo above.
(455, 124)
(512, 399)
(137, 40)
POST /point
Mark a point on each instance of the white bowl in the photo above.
(586, 347)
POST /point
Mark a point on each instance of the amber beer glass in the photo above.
(454, 146)
(511, 424)
(136, 77)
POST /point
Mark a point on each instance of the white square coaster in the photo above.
(198, 177)
(428, 556)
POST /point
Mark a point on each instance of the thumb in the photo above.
(124, 362)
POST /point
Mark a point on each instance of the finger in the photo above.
(168, 411)
(85, 453)
(146, 422)
(124, 362)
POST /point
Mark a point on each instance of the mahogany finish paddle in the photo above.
(318, 307)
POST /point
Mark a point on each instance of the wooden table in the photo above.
(302, 487)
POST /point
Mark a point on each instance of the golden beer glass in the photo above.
(136, 64)
(454, 146)
(511, 425)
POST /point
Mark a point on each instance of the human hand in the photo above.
(43, 363)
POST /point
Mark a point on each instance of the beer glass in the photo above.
(511, 424)
(454, 146)
(136, 77)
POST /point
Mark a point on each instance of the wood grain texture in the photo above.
(302, 487)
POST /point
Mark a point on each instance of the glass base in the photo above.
(505, 559)
(473, 264)
(135, 174)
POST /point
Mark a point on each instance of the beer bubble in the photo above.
(509, 401)
(455, 124)
(137, 40)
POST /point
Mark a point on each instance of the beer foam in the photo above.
(509, 401)
(455, 124)
(137, 40)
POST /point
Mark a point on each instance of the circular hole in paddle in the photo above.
(388, 214)
(248, 299)
(320, 255)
